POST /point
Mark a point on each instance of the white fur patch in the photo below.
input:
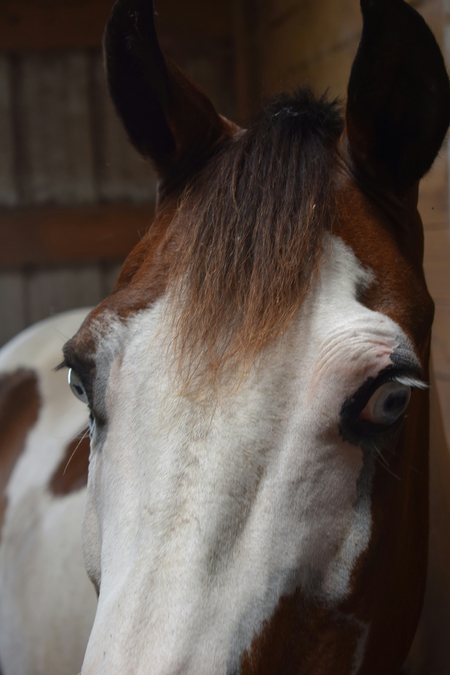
(201, 516)
(47, 602)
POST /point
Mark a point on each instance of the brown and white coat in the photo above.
(257, 499)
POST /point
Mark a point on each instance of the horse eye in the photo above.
(387, 404)
(77, 388)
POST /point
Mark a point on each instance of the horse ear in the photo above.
(168, 118)
(398, 107)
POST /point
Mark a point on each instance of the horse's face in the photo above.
(257, 496)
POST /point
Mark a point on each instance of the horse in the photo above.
(257, 382)
(43, 494)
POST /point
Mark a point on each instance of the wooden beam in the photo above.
(52, 24)
(248, 31)
(63, 235)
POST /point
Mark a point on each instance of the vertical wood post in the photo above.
(249, 23)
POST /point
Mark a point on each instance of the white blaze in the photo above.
(202, 515)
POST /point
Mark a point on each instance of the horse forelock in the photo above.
(250, 233)
(242, 244)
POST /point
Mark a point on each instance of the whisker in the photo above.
(395, 453)
(86, 433)
(62, 335)
(78, 434)
(384, 463)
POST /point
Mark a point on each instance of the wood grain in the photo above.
(51, 291)
(70, 235)
(306, 35)
(51, 24)
(53, 107)
(8, 194)
(47, 25)
(12, 305)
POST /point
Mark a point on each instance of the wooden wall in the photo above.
(315, 41)
(74, 195)
(61, 149)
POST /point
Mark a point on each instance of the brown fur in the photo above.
(245, 260)
(303, 639)
(19, 409)
(71, 475)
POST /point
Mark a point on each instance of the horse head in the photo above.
(258, 481)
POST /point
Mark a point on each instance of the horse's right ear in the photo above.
(398, 106)
(168, 118)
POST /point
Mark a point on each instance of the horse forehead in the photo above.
(373, 273)
(136, 355)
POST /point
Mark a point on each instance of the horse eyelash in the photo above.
(413, 382)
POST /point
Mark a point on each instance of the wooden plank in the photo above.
(437, 272)
(314, 33)
(12, 305)
(443, 388)
(437, 264)
(80, 187)
(52, 24)
(57, 290)
(8, 194)
(122, 172)
(198, 17)
(216, 81)
(433, 202)
(279, 11)
(243, 62)
(441, 340)
(68, 235)
(56, 153)
(328, 72)
(302, 37)
(109, 277)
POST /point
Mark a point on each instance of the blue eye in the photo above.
(387, 404)
(77, 388)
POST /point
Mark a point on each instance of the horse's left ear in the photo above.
(398, 107)
(169, 119)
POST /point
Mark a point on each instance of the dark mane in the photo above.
(251, 228)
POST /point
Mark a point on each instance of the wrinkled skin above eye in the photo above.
(387, 403)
